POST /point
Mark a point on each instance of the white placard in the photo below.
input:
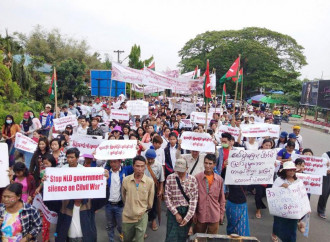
(199, 117)
(119, 114)
(74, 183)
(197, 142)
(25, 143)
(313, 165)
(291, 202)
(85, 144)
(138, 107)
(116, 149)
(4, 165)
(274, 130)
(234, 131)
(216, 110)
(246, 167)
(188, 108)
(61, 123)
(260, 130)
(38, 203)
(187, 123)
(313, 183)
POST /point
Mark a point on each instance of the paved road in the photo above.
(260, 228)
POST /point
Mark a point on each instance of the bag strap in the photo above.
(192, 170)
(181, 189)
(153, 175)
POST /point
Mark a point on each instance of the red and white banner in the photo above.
(23, 142)
(260, 130)
(74, 183)
(61, 123)
(138, 107)
(187, 123)
(4, 165)
(234, 131)
(116, 149)
(50, 216)
(85, 144)
(119, 114)
(199, 117)
(313, 183)
(197, 141)
(313, 165)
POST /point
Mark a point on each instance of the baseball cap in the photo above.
(180, 165)
(292, 136)
(283, 134)
(26, 115)
(296, 127)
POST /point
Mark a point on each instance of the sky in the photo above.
(162, 27)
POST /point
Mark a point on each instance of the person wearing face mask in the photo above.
(9, 130)
(223, 152)
(27, 126)
(35, 120)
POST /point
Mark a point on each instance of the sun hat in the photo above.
(289, 165)
(117, 128)
(151, 153)
(180, 165)
(88, 156)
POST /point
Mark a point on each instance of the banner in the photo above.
(188, 108)
(61, 123)
(199, 117)
(323, 98)
(309, 93)
(119, 114)
(116, 149)
(313, 165)
(274, 130)
(260, 130)
(216, 110)
(138, 107)
(197, 141)
(291, 202)
(38, 203)
(313, 183)
(4, 165)
(86, 145)
(187, 123)
(25, 143)
(74, 183)
(246, 167)
(234, 131)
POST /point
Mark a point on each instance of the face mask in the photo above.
(225, 145)
(25, 119)
(31, 116)
(9, 121)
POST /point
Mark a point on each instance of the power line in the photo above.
(118, 53)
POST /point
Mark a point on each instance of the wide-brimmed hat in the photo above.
(289, 165)
(116, 128)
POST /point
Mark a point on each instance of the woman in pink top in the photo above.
(146, 138)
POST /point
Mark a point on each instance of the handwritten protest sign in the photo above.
(116, 149)
(216, 110)
(260, 130)
(137, 107)
(119, 114)
(74, 183)
(274, 130)
(313, 165)
(247, 167)
(61, 123)
(188, 108)
(199, 117)
(313, 183)
(4, 165)
(187, 123)
(197, 142)
(49, 215)
(85, 144)
(291, 202)
(234, 131)
(23, 142)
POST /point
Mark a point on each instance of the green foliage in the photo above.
(135, 58)
(269, 59)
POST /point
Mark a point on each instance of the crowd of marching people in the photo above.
(190, 183)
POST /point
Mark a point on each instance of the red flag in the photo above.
(152, 66)
(195, 73)
(232, 72)
(207, 83)
(240, 74)
(51, 89)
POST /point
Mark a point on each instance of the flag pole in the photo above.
(206, 101)
(130, 94)
(240, 107)
(55, 84)
(236, 85)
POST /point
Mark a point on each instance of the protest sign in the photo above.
(274, 130)
(74, 183)
(49, 215)
(313, 165)
(313, 183)
(187, 123)
(138, 107)
(291, 202)
(85, 144)
(188, 108)
(61, 123)
(119, 114)
(247, 167)
(234, 131)
(199, 117)
(216, 110)
(254, 130)
(116, 149)
(4, 165)
(23, 142)
(197, 142)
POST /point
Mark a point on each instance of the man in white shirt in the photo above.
(82, 129)
(97, 108)
(106, 115)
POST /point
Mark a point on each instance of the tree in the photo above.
(135, 58)
(270, 59)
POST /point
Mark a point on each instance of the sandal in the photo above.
(274, 238)
(155, 228)
(258, 215)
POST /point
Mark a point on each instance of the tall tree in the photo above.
(135, 58)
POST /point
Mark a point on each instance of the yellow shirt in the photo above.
(137, 199)
(276, 113)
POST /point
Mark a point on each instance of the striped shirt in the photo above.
(174, 197)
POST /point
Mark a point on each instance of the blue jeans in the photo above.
(113, 214)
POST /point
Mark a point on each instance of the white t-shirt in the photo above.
(254, 146)
(115, 195)
(75, 227)
(81, 130)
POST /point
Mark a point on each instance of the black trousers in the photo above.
(321, 205)
(260, 193)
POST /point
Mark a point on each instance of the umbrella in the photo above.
(257, 98)
(249, 101)
(277, 92)
(270, 100)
